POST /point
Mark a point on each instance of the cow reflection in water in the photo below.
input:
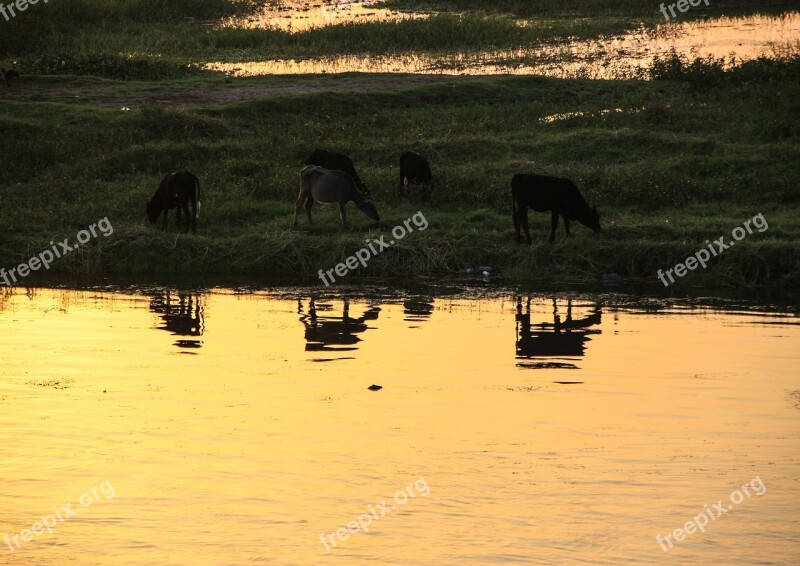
(333, 333)
(180, 316)
(560, 339)
(417, 309)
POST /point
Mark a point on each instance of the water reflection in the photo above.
(611, 57)
(683, 400)
(181, 316)
(333, 333)
(549, 344)
(417, 309)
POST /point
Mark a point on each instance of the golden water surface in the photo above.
(226, 427)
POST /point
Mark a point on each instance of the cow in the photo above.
(176, 190)
(325, 186)
(9, 75)
(337, 161)
(543, 193)
(414, 169)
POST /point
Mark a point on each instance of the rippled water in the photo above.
(237, 427)
(745, 37)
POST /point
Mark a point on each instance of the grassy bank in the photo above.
(669, 163)
(139, 50)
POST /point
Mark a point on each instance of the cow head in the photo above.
(594, 220)
(153, 210)
(368, 208)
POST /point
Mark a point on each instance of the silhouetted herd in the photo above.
(331, 177)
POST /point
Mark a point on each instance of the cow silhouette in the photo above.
(560, 339)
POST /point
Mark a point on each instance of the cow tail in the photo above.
(197, 194)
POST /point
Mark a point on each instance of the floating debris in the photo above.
(374, 387)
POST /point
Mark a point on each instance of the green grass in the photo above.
(684, 160)
(148, 39)
(669, 162)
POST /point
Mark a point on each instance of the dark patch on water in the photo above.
(546, 365)
(53, 383)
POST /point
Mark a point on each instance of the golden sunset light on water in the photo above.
(228, 424)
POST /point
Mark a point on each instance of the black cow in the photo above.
(414, 169)
(337, 162)
(543, 193)
(176, 190)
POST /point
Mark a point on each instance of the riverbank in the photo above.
(669, 163)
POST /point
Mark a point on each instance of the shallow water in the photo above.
(745, 37)
(237, 427)
(302, 15)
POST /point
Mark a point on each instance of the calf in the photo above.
(176, 190)
(414, 169)
(337, 162)
(560, 196)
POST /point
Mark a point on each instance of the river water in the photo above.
(232, 426)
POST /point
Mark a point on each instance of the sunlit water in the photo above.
(302, 15)
(236, 428)
(744, 37)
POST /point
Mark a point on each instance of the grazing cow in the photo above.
(176, 190)
(414, 169)
(337, 161)
(8, 75)
(324, 186)
(560, 196)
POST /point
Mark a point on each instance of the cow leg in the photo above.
(515, 215)
(298, 205)
(164, 226)
(524, 212)
(194, 217)
(343, 215)
(178, 216)
(553, 226)
(566, 225)
(309, 204)
(189, 220)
